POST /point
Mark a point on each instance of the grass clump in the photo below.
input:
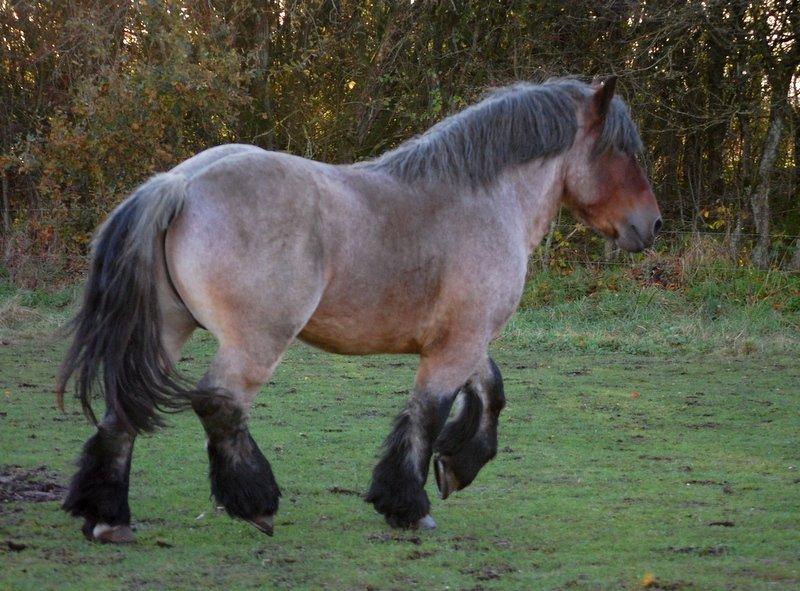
(657, 306)
(28, 312)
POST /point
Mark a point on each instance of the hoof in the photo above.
(445, 480)
(112, 534)
(263, 524)
(426, 522)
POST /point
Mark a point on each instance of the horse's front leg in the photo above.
(398, 481)
(469, 441)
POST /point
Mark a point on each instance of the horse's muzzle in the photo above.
(639, 232)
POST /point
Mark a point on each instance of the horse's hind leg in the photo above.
(469, 441)
(241, 477)
(98, 491)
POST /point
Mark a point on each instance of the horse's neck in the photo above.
(526, 196)
(533, 191)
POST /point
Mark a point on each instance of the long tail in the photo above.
(117, 346)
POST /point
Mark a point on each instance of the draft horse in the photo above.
(422, 250)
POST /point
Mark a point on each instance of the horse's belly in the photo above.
(362, 334)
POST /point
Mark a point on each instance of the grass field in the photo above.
(642, 447)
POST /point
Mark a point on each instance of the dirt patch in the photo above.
(19, 485)
(705, 482)
(15, 546)
(698, 551)
(664, 586)
(417, 554)
(464, 542)
(338, 490)
(388, 538)
(489, 572)
(699, 426)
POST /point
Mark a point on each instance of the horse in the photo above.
(422, 250)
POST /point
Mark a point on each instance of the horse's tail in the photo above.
(117, 331)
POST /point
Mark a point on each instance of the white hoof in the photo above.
(113, 534)
(426, 522)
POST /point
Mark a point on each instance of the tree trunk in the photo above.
(796, 149)
(759, 194)
(743, 179)
(6, 215)
(794, 264)
(780, 71)
(736, 237)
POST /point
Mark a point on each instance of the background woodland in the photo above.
(95, 95)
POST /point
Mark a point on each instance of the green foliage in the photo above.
(654, 308)
(738, 287)
(97, 97)
(120, 125)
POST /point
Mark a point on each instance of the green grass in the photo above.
(620, 448)
(715, 309)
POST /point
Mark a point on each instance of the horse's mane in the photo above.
(511, 125)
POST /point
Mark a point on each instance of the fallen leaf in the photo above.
(648, 580)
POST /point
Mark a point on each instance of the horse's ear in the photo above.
(601, 99)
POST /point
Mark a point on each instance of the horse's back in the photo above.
(201, 160)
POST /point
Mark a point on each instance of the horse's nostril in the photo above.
(657, 226)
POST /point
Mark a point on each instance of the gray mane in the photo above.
(512, 125)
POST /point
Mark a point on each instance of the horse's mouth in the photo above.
(630, 242)
(630, 239)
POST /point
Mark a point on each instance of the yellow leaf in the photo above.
(648, 580)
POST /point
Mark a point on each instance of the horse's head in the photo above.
(605, 186)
